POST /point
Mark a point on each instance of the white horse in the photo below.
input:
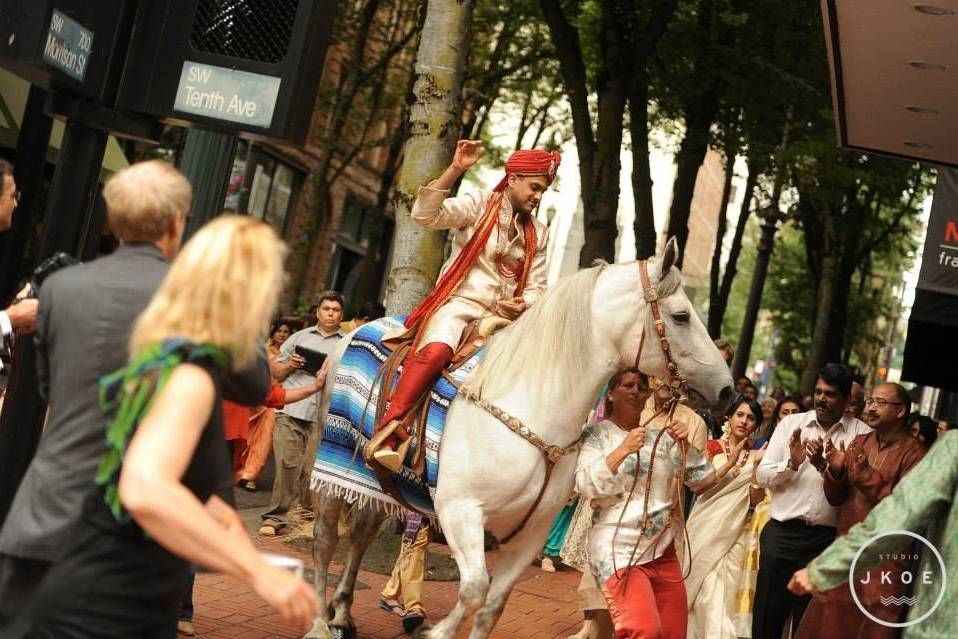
(546, 370)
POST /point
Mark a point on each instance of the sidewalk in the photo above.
(542, 605)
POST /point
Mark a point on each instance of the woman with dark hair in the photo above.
(788, 405)
(259, 437)
(923, 428)
(720, 533)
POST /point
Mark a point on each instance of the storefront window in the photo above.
(262, 186)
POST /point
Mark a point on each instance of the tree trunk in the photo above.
(698, 120)
(720, 229)
(644, 225)
(835, 340)
(434, 125)
(601, 202)
(818, 354)
(719, 303)
(568, 48)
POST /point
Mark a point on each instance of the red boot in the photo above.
(419, 372)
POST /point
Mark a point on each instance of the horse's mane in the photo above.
(558, 325)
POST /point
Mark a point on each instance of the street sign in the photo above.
(227, 94)
(68, 45)
(245, 66)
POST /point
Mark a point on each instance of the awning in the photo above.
(894, 71)
(13, 99)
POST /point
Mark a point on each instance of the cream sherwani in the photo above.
(483, 286)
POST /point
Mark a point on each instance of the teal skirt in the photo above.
(558, 532)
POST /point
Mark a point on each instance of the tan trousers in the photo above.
(405, 583)
(289, 449)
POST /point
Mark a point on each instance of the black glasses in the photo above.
(879, 402)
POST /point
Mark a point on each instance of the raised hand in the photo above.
(815, 450)
(835, 457)
(467, 154)
(796, 449)
(757, 455)
(735, 451)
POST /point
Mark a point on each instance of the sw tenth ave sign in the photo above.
(227, 94)
(930, 577)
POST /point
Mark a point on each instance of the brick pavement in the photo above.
(542, 605)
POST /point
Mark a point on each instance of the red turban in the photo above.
(532, 162)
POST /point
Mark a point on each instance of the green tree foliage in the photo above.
(364, 86)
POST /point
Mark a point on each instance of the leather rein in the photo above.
(678, 386)
(552, 454)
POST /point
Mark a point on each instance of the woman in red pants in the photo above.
(631, 549)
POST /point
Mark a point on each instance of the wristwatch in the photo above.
(790, 464)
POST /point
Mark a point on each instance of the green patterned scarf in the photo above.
(127, 395)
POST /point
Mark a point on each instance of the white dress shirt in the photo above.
(798, 494)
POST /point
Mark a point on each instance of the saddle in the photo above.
(473, 338)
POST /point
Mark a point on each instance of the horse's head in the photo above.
(624, 314)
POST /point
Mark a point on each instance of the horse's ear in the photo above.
(671, 255)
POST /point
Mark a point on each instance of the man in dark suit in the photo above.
(22, 316)
(85, 320)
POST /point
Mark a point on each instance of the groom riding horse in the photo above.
(498, 268)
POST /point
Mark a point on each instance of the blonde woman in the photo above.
(166, 457)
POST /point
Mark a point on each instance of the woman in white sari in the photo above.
(719, 535)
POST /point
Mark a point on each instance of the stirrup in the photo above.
(390, 459)
(378, 438)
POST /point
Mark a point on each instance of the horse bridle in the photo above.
(677, 384)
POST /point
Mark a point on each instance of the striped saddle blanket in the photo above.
(339, 468)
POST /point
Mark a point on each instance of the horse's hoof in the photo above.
(319, 631)
(413, 621)
(422, 632)
(338, 632)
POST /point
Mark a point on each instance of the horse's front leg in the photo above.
(364, 524)
(514, 557)
(462, 525)
(325, 537)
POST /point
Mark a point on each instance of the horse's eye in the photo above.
(682, 317)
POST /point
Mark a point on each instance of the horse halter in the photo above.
(678, 385)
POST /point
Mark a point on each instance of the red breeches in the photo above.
(419, 371)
